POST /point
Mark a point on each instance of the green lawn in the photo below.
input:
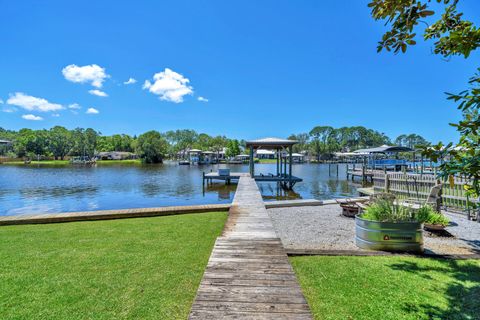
(145, 268)
(390, 287)
(267, 160)
(42, 162)
(67, 162)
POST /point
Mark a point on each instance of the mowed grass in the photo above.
(67, 162)
(389, 287)
(144, 268)
(41, 162)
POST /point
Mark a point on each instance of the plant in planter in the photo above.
(388, 226)
(432, 219)
(387, 211)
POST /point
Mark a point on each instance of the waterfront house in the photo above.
(265, 154)
(115, 155)
(5, 145)
(242, 158)
(197, 156)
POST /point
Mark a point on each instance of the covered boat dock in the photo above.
(283, 174)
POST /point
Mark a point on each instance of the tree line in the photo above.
(323, 141)
(153, 146)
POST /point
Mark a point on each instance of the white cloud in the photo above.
(56, 115)
(32, 117)
(169, 85)
(1, 101)
(31, 103)
(74, 106)
(93, 74)
(202, 99)
(130, 81)
(8, 109)
(98, 93)
(92, 111)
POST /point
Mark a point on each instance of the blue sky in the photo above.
(267, 68)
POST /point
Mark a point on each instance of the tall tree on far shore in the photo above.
(320, 136)
(217, 144)
(31, 143)
(233, 148)
(411, 140)
(60, 142)
(303, 140)
(152, 147)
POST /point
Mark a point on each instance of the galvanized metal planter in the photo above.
(388, 236)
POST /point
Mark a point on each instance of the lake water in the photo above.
(40, 189)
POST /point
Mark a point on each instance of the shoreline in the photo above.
(109, 214)
(42, 218)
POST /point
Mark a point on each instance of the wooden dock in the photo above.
(364, 174)
(286, 180)
(211, 176)
(248, 275)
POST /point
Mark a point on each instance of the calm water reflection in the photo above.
(26, 190)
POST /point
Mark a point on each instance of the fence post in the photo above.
(387, 183)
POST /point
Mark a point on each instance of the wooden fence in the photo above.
(418, 186)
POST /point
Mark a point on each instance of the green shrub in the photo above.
(387, 211)
(427, 214)
(423, 213)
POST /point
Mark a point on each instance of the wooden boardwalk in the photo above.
(248, 275)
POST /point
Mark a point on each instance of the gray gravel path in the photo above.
(325, 228)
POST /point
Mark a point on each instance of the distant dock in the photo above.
(359, 172)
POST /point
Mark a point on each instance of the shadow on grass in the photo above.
(463, 301)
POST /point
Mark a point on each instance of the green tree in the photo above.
(180, 141)
(453, 36)
(90, 142)
(411, 141)
(233, 148)
(152, 147)
(60, 142)
(84, 142)
(104, 144)
(320, 135)
(31, 143)
(218, 143)
(203, 142)
(24, 142)
(303, 140)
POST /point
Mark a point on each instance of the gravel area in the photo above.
(325, 228)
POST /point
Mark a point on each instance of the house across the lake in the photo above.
(298, 157)
(264, 154)
(115, 155)
(5, 145)
(197, 156)
(270, 154)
